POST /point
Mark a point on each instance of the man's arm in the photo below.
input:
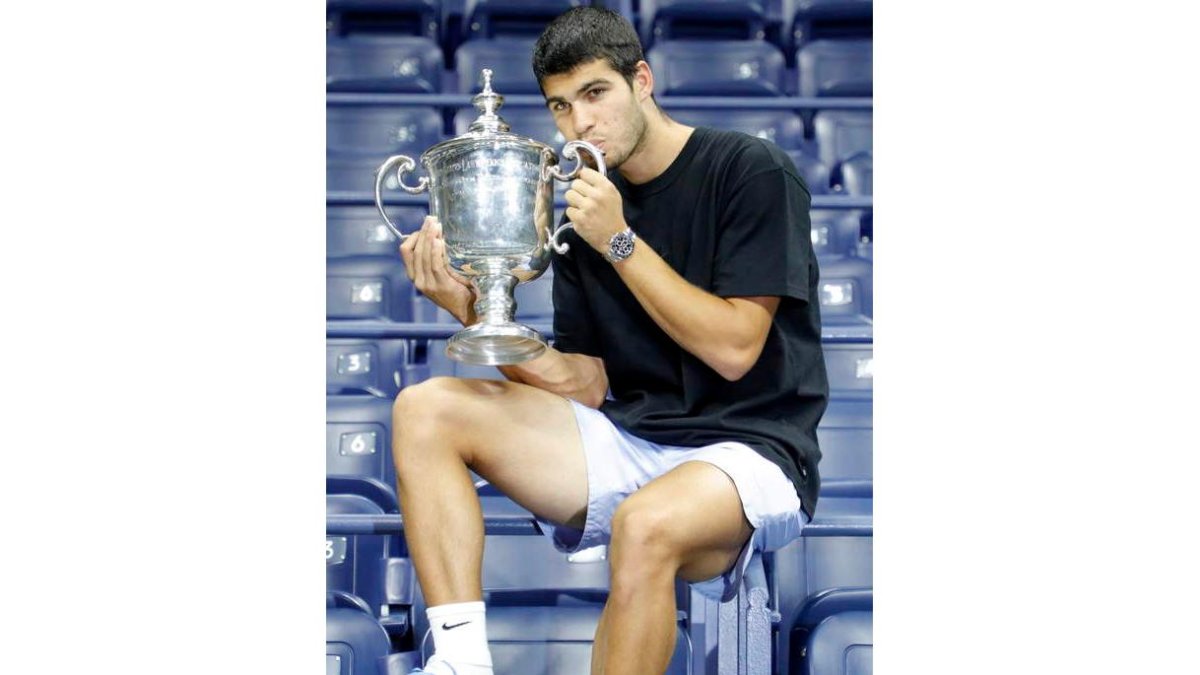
(575, 376)
(727, 334)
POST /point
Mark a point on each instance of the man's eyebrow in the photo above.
(586, 85)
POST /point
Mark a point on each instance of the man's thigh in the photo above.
(525, 441)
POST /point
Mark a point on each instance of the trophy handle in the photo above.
(406, 164)
(571, 151)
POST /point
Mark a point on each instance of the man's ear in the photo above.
(643, 81)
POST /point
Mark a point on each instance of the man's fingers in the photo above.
(581, 187)
(592, 176)
(573, 197)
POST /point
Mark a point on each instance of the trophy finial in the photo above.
(488, 102)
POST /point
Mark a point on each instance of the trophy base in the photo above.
(503, 344)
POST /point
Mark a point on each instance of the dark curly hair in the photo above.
(584, 34)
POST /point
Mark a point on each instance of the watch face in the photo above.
(620, 246)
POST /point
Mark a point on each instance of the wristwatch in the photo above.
(620, 246)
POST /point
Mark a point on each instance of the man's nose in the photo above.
(582, 121)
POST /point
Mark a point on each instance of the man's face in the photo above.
(595, 104)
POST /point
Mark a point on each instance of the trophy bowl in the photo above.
(493, 193)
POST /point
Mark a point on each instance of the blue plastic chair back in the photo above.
(830, 19)
(834, 68)
(367, 287)
(841, 645)
(356, 564)
(842, 133)
(846, 289)
(717, 68)
(509, 59)
(703, 19)
(853, 175)
(355, 643)
(384, 17)
(358, 230)
(374, 367)
(834, 232)
(814, 171)
(383, 63)
(379, 131)
(782, 128)
(492, 18)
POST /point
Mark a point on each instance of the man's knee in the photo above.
(425, 414)
(645, 547)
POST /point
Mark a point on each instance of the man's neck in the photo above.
(663, 142)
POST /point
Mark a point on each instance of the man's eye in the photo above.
(595, 92)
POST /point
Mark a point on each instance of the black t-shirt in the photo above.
(730, 215)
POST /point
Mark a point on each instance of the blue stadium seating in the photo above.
(717, 68)
(388, 63)
(853, 174)
(379, 131)
(358, 230)
(814, 171)
(830, 19)
(841, 645)
(368, 287)
(834, 68)
(358, 447)
(491, 18)
(356, 564)
(536, 123)
(706, 19)
(834, 232)
(851, 372)
(355, 643)
(509, 58)
(841, 134)
(387, 17)
(846, 291)
(781, 127)
(374, 367)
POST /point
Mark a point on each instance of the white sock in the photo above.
(459, 639)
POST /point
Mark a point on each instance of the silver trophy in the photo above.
(493, 193)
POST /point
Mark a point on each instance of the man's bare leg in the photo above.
(522, 439)
(688, 522)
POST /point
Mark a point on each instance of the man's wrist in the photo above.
(620, 246)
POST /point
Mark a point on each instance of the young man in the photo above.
(689, 292)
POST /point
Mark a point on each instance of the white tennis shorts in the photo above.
(618, 463)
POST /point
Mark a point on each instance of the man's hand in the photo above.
(424, 255)
(594, 207)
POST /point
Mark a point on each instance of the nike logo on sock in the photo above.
(448, 627)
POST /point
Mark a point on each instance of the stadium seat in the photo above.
(840, 645)
(834, 232)
(782, 128)
(814, 171)
(492, 18)
(355, 643)
(830, 19)
(385, 63)
(851, 371)
(841, 134)
(356, 564)
(703, 19)
(367, 287)
(379, 131)
(509, 59)
(716, 68)
(853, 175)
(358, 230)
(535, 123)
(845, 291)
(373, 367)
(834, 68)
(845, 435)
(387, 17)
(356, 173)
(358, 442)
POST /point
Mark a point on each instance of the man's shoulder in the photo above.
(739, 154)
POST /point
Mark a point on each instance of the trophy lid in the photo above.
(488, 102)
